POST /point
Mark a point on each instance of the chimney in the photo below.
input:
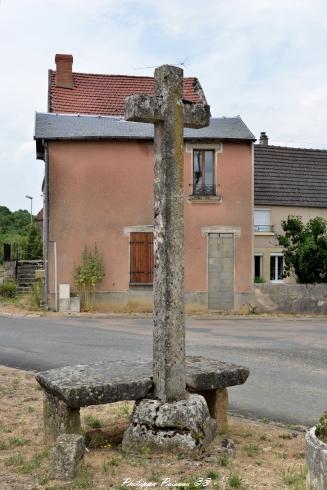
(64, 73)
(263, 138)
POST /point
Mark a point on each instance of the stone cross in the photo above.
(169, 113)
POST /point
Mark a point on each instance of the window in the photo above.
(141, 259)
(204, 173)
(276, 268)
(257, 266)
(262, 220)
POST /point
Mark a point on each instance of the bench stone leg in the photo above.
(59, 419)
(217, 401)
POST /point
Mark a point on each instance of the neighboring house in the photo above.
(287, 181)
(99, 188)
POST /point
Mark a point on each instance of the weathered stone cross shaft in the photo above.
(169, 113)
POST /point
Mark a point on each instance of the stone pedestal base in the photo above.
(67, 456)
(217, 401)
(185, 426)
(59, 418)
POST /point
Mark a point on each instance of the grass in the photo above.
(223, 459)
(125, 411)
(234, 481)
(92, 421)
(107, 465)
(213, 475)
(27, 466)
(295, 479)
(84, 478)
(251, 450)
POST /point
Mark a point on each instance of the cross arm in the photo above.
(196, 115)
(143, 108)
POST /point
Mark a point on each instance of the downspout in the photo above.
(46, 224)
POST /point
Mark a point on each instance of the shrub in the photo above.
(87, 275)
(36, 296)
(321, 429)
(32, 246)
(305, 248)
(8, 289)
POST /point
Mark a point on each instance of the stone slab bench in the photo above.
(68, 389)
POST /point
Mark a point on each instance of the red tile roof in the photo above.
(105, 94)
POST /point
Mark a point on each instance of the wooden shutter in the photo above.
(141, 258)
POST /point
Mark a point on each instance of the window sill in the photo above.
(205, 199)
(264, 233)
(140, 285)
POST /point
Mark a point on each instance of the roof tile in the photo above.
(105, 94)
(290, 176)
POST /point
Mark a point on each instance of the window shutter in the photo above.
(141, 258)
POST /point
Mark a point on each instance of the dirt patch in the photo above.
(266, 456)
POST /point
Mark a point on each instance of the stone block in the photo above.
(67, 456)
(75, 304)
(58, 418)
(184, 426)
(316, 457)
(112, 381)
(64, 291)
(39, 274)
(217, 401)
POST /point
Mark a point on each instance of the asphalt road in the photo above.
(287, 358)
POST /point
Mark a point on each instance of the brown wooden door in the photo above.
(141, 258)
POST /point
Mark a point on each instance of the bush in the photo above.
(305, 249)
(32, 246)
(87, 275)
(8, 289)
(321, 429)
(36, 296)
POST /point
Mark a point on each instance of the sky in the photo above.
(264, 60)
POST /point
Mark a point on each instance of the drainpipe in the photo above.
(46, 224)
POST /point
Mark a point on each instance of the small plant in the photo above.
(92, 421)
(145, 451)
(125, 411)
(26, 467)
(213, 475)
(321, 429)
(259, 280)
(297, 478)
(84, 477)
(87, 275)
(8, 289)
(223, 459)
(251, 450)
(36, 296)
(234, 481)
(15, 442)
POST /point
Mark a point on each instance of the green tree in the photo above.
(305, 248)
(32, 245)
(87, 275)
(13, 227)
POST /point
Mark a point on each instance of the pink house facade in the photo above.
(99, 189)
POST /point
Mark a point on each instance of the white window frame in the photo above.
(276, 255)
(269, 225)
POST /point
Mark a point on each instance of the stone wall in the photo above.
(291, 298)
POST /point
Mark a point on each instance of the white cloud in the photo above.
(262, 59)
